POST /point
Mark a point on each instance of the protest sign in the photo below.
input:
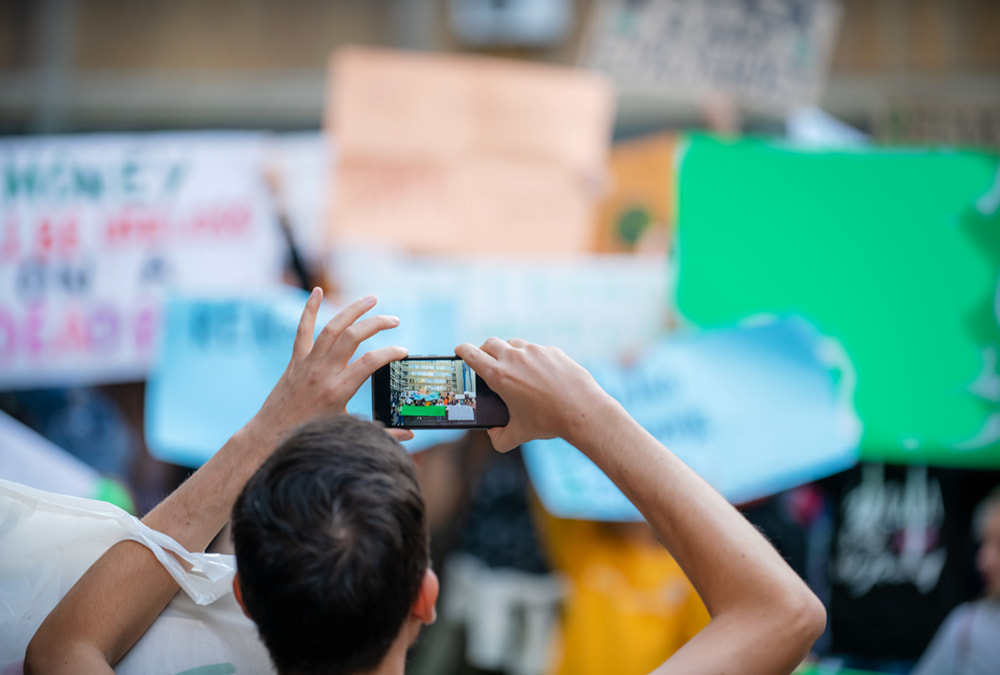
(766, 54)
(891, 252)
(303, 166)
(453, 154)
(638, 212)
(953, 121)
(595, 308)
(219, 358)
(221, 355)
(753, 410)
(93, 229)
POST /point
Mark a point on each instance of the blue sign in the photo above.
(220, 357)
(754, 410)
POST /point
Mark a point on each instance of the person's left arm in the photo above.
(120, 596)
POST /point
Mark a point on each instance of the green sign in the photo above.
(423, 410)
(894, 253)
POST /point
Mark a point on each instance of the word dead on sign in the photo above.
(771, 55)
(96, 230)
(451, 154)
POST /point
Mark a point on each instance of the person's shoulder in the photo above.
(954, 623)
(962, 617)
(980, 605)
(962, 611)
(987, 607)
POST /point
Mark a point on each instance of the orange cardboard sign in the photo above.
(465, 154)
(638, 212)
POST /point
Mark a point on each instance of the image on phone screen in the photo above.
(434, 392)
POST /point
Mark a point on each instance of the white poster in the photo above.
(596, 308)
(94, 230)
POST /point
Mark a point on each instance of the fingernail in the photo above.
(394, 320)
(369, 299)
(315, 292)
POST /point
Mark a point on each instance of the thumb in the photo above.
(500, 437)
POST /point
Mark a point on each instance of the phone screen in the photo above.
(434, 392)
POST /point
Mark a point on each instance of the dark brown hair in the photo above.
(331, 546)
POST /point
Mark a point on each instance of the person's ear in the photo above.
(424, 607)
(238, 592)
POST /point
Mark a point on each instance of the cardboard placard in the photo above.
(771, 55)
(638, 212)
(914, 121)
(461, 154)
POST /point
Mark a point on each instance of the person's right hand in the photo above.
(548, 394)
(320, 378)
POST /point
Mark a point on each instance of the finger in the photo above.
(352, 336)
(354, 375)
(345, 317)
(307, 325)
(480, 362)
(517, 343)
(464, 349)
(400, 434)
(495, 347)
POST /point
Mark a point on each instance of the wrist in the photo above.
(255, 441)
(592, 419)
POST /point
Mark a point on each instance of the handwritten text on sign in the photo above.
(753, 410)
(772, 54)
(94, 229)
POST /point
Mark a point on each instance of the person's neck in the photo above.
(394, 662)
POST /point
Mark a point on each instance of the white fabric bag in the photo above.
(47, 541)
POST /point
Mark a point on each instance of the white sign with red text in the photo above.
(95, 229)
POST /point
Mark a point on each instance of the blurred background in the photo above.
(70, 66)
(770, 228)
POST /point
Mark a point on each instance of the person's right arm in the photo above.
(764, 618)
(110, 607)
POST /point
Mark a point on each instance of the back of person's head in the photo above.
(987, 527)
(985, 509)
(331, 546)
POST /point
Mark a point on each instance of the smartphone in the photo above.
(434, 392)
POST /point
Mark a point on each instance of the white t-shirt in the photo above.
(967, 643)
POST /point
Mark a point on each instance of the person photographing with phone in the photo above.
(331, 535)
